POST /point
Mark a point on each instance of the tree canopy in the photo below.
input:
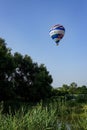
(24, 79)
(21, 77)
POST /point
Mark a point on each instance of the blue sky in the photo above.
(25, 25)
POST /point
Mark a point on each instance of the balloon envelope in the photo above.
(57, 32)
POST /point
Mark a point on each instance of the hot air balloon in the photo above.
(57, 32)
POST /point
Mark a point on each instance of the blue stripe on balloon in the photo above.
(58, 28)
(54, 36)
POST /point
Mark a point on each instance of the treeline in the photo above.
(25, 80)
(71, 92)
(21, 78)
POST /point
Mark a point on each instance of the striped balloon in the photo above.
(57, 32)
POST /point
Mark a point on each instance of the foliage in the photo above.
(6, 68)
(20, 77)
(55, 115)
(71, 92)
(24, 80)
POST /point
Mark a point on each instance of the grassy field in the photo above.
(53, 115)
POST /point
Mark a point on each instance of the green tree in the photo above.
(32, 82)
(42, 83)
(6, 68)
(20, 75)
(23, 75)
(82, 94)
(73, 88)
(65, 89)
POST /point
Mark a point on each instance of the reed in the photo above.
(50, 116)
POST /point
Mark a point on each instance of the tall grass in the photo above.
(54, 115)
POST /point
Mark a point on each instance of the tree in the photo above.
(32, 82)
(42, 83)
(6, 68)
(19, 75)
(65, 88)
(73, 88)
(23, 75)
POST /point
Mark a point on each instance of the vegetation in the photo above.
(21, 77)
(28, 101)
(51, 116)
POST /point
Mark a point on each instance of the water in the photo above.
(64, 125)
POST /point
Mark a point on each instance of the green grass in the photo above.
(50, 116)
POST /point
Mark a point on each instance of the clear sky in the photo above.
(25, 24)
